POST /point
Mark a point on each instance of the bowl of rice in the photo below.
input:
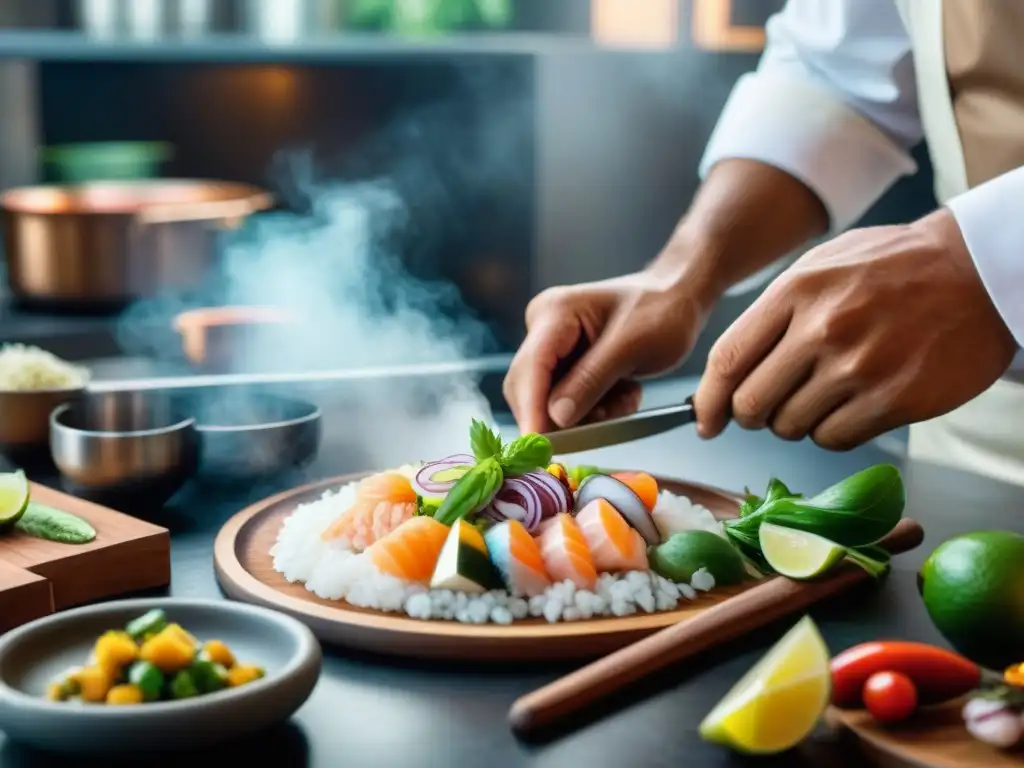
(33, 382)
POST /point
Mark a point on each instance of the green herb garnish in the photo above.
(526, 454)
(473, 491)
(484, 442)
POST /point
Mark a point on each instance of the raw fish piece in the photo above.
(383, 502)
(565, 552)
(517, 557)
(613, 544)
(410, 552)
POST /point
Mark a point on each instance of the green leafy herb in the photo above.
(484, 442)
(526, 454)
(472, 492)
(855, 512)
(776, 490)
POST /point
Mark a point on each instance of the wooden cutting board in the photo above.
(934, 737)
(38, 577)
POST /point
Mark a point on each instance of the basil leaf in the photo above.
(484, 442)
(526, 454)
(472, 492)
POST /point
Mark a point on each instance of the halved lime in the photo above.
(14, 496)
(798, 554)
(779, 701)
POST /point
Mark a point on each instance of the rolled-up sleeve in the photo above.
(991, 220)
(832, 102)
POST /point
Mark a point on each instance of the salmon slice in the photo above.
(383, 502)
(613, 543)
(565, 552)
(387, 486)
(516, 555)
(410, 552)
(366, 522)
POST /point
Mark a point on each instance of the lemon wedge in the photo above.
(798, 554)
(779, 701)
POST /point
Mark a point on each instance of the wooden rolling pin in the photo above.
(773, 599)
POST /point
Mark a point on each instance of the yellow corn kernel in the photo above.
(219, 653)
(56, 692)
(178, 631)
(241, 674)
(115, 650)
(93, 683)
(125, 694)
(168, 651)
(1014, 675)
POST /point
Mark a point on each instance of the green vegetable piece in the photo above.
(208, 676)
(471, 493)
(582, 472)
(183, 686)
(147, 624)
(427, 505)
(855, 512)
(485, 443)
(51, 524)
(147, 678)
(526, 454)
(685, 553)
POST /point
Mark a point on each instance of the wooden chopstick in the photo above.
(773, 599)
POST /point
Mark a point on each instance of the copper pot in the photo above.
(222, 339)
(115, 242)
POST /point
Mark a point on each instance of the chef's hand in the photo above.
(879, 328)
(637, 325)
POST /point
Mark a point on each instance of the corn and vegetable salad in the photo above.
(150, 660)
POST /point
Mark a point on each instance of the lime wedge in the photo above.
(798, 554)
(779, 701)
(14, 494)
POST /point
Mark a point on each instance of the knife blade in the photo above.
(645, 423)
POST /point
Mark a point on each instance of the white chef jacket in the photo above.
(833, 102)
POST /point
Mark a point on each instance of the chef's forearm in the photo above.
(745, 216)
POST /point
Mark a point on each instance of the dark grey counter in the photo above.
(374, 711)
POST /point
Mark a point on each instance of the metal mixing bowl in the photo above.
(246, 435)
(25, 420)
(116, 444)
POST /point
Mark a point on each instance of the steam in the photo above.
(334, 260)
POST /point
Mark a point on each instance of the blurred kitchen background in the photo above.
(531, 142)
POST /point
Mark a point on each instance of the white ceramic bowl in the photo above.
(32, 655)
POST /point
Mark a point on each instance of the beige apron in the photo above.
(970, 72)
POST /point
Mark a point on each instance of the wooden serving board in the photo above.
(38, 577)
(245, 571)
(935, 737)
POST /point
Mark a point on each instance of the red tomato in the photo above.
(890, 696)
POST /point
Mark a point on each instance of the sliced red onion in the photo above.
(529, 499)
(425, 483)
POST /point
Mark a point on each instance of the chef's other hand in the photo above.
(637, 325)
(879, 328)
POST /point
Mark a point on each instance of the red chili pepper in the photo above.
(939, 675)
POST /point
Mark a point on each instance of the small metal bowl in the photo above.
(124, 444)
(244, 435)
(25, 420)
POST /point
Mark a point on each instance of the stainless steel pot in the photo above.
(106, 243)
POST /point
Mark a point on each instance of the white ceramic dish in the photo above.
(32, 655)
